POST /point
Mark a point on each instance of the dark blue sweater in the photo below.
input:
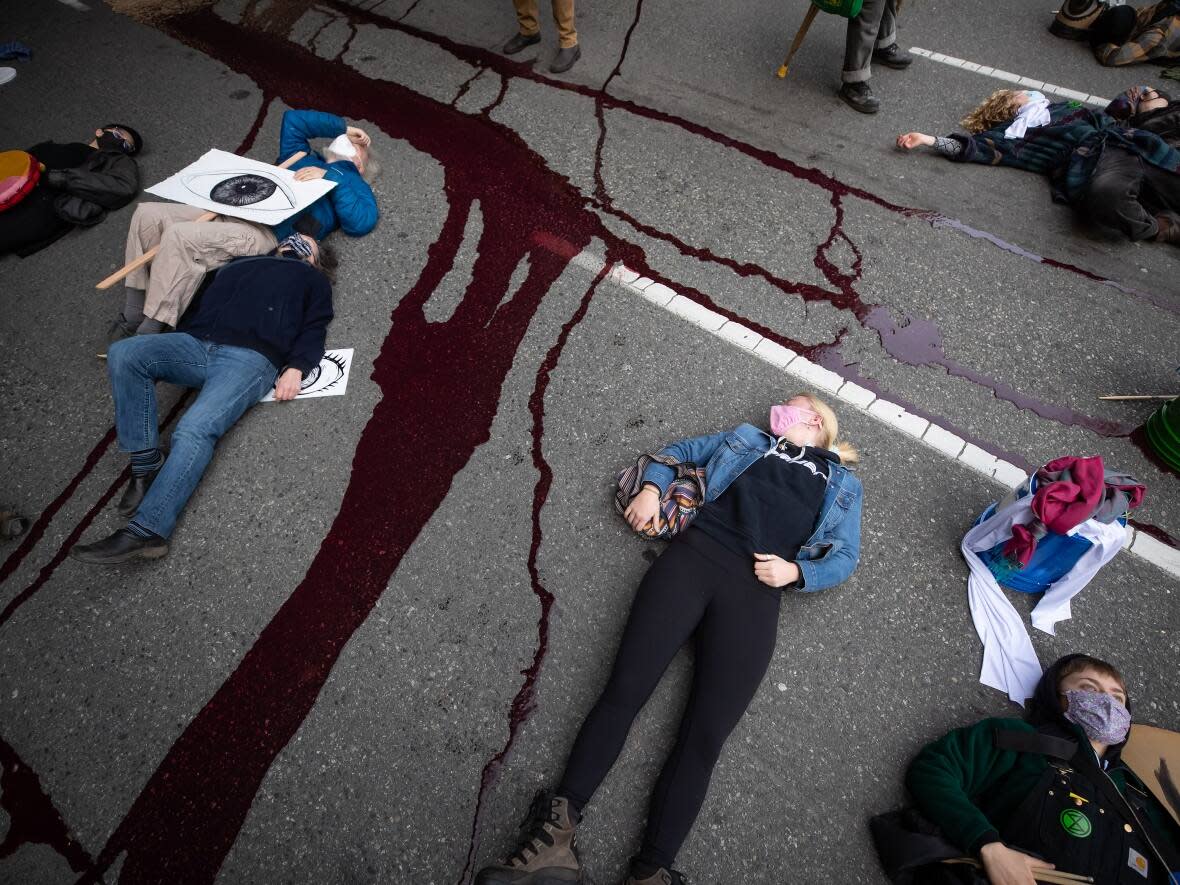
(279, 307)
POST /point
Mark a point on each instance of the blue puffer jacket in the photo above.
(833, 550)
(350, 205)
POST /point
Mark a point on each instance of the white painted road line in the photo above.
(937, 438)
(1008, 77)
(75, 4)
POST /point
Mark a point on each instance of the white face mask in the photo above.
(342, 147)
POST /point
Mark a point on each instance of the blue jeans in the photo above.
(230, 380)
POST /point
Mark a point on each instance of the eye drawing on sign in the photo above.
(258, 190)
(333, 369)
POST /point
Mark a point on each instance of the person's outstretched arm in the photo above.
(299, 127)
(947, 146)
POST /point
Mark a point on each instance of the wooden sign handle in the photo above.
(147, 256)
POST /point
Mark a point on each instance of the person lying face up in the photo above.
(1050, 791)
(259, 325)
(159, 293)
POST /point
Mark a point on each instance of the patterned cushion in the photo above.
(19, 173)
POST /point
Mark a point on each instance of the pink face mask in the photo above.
(783, 418)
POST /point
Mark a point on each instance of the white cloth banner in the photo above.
(227, 184)
(1010, 663)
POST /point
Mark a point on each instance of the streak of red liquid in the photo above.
(440, 384)
(32, 817)
(187, 817)
(38, 528)
(76, 532)
(525, 700)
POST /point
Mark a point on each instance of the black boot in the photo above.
(122, 546)
(893, 56)
(136, 489)
(859, 97)
(120, 328)
(565, 58)
(520, 42)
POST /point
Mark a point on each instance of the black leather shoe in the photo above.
(893, 56)
(859, 97)
(565, 58)
(122, 546)
(120, 329)
(136, 489)
(519, 42)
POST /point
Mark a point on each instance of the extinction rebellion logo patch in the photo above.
(1075, 823)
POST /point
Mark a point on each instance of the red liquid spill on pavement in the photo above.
(1155, 532)
(433, 376)
(76, 533)
(525, 701)
(32, 817)
(38, 529)
(186, 819)
(256, 126)
(937, 220)
(60, 556)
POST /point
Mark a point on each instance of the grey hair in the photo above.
(372, 164)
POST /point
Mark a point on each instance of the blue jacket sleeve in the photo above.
(840, 561)
(695, 450)
(352, 199)
(308, 347)
(299, 127)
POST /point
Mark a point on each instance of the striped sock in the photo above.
(147, 461)
(139, 531)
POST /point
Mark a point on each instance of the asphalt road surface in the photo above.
(384, 614)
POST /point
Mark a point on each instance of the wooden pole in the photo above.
(1119, 397)
(147, 256)
(1053, 876)
(798, 41)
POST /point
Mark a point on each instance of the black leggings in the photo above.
(696, 586)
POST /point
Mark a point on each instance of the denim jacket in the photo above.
(833, 550)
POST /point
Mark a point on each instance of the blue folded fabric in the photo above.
(15, 49)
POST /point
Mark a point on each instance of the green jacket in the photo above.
(971, 789)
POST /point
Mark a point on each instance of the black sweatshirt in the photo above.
(772, 506)
(277, 306)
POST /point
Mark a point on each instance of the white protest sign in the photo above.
(329, 378)
(227, 184)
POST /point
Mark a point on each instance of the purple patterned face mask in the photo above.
(1101, 716)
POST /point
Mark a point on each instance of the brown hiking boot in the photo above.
(1169, 228)
(661, 876)
(547, 853)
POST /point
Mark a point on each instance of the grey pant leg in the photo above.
(875, 27)
(1113, 199)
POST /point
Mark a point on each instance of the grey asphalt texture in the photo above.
(102, 670)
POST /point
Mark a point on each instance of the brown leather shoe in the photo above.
(1169, 229)
(547, 853)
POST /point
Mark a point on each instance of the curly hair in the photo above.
(997, 108)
